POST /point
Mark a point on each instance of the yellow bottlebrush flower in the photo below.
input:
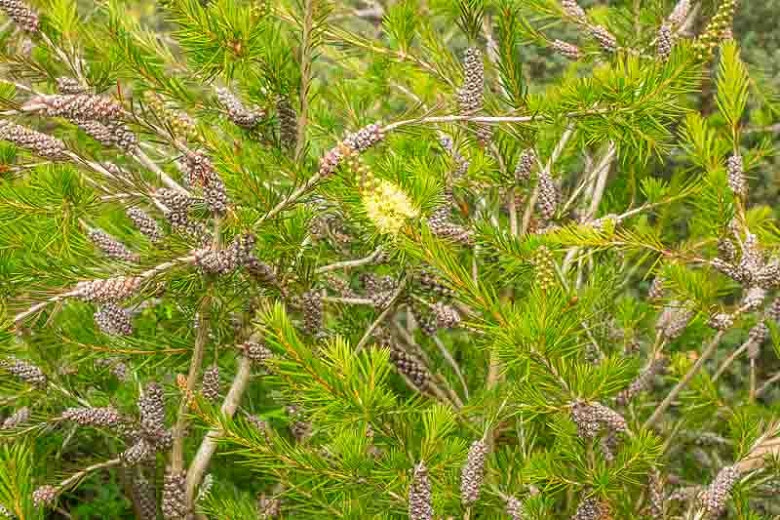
(388, 207)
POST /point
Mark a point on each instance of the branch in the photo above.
(347, 264)
(177, 451)
(379, 319)
(209, 444)
(73, 479)
(306, 59)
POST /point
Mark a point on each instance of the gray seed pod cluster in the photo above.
(25, 371)
(256, 352)
(45, 496)
(78, 107)
(441, 226)
(573, 9)
(525, 164)
(673, 321)
(736, 175)
(288, 122)
(420, 503)
(713, 500)
(174, 498)
(642, 382)
(108, 290)
(40, 144)
(590, 417)
(200, 172)
(604, 38)
(21, 13)
(106, 417)
(566, 49)
(447, 317)
(237, 112)
(588, 509)
(665, 42)
(311, 302)
(547, 202)
(145, 497)
(67, 85)
(680, 12)
(210, 385)
(473, 473)
(268, 506)
(18, 418)
(145, 224)
(470, 94)
(514, 508)
(112, 247)
(356, 142)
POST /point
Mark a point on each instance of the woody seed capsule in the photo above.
(210, 387)
(25, 371)
(174, 501)
(44, 496)
(111, 246)
(237, 111)
(665, 42)
(566, 50)
(288, 122)
(714, 498)
(473, 472)
(145, 224)
(604, 37)
(40, 144)
(101, 417)
(19, 417)
(470, 94)
(573, 9)
(420, 507)
(21, 14)
(736, 176)
(514, 508)
(548, 196)
(107, 290)
(524, 165)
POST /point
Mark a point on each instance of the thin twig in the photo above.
(306, 60)
(348, 264)
(379, 319)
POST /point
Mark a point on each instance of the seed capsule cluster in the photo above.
(441, 226)
(573, 10)
(721, 321)
(589, 509)
(105, 417)
(45, 496)
(224, 261)
(462, 164)
(525, 164)
(151, 407)
(590, 417)
(111, 246)
(200, 172)
(736, 175)
(237, 112)
(68, 85)
(420, 506)
(145, 224)
(268, 506)
(679, 13)
(78, 107)
(713, 500)
(19, 417)
(256, 352)
(566, 49)
(447, 317)
(174, 498)
(547, 202)
(108, 290)
(470, 94)
(642, 382)
(473, 473)
(288, 122)
(21, 14)
(514, 508)
(311, 302)
(40, 144)
(353, 143)
(665, 42)
(145, 497)
(210, 386)
(604, 38)
(673, 321)
(24, 371)
(656, 496)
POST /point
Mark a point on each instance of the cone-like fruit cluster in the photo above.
(642, 382)
(754, 297)
(665, 42)
(590, 417)
(713, 500)
(311, 303)
(256, 352)
(462, 164)
(353, 143)
(22, 15)
(151, 407)
(145, 224)
(380, 290)
(77, 107)
(68, 85)
(655, 496)
(210, 387)
(237, 112)
(105, 417)
(656, 291)
(514, 508)
(25, 371)
(447, 317)
(673, 321)
(114, 320)
(679, 13)
(409, 366)
(268, 506)
(735, 175)
(140, 451)
(441, 226)
(111, 246)
(288, 122)
(19, 417)
(567, 50)
(44, 496)
(721, 321)
(107, 290)
(432, 284)
(547, 202)
(525, 164)
(40, 144)
(200, 172)
(573, 10)
(604, 37)
(473, 473)
(224, 261)
(470, 94)
(145, 497)
(174, 499)
(420, 506)
(589, 509)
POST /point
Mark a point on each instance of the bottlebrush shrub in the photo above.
(317, 260)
